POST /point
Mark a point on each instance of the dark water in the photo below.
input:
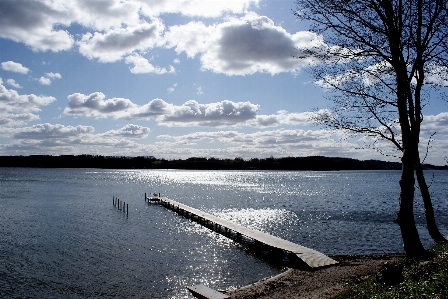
(62, 238)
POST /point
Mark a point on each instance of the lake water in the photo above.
(61, 237)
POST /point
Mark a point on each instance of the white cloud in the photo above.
(220, 114)
(172, 88)
(154, 108)
(43, 25)
(279, 142)
(191, 113)
(191, 38)
(435, 131)
(15, 119)
(96, 106)
(142, 65)
(50, 131)
(225, 113)
(12, 102)
(14, 67)
(57, 138)
(13, 83)
(44, 81)
(283, 117)
(105, 14)
(437, 75)
(242, 46)
(116, 43)
(53, 75)
(369, 76)
(435, 124)
(119, 29)
(332, 81)
(129, 131)
(33, 23)
(380, 72)
(196, 8)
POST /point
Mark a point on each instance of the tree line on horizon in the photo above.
(201, 163)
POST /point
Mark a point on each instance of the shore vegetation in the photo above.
(426, 278)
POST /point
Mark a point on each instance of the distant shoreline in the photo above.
(317, 163)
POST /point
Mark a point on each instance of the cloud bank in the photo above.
(242, 46)
(13, 102)
(127, 30)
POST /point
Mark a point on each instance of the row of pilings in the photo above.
(120, 205)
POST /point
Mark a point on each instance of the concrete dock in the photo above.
(312, 258)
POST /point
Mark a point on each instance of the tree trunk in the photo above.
(429, 211)
(405, 216)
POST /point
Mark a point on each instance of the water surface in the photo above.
(61, 236)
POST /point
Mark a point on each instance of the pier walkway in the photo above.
(312, 258)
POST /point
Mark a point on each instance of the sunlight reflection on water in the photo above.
(258, 219)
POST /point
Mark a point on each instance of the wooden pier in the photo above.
(203, 292)
(310, 257)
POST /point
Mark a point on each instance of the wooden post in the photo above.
(238, 236)
(113, 200)
(119, 208)
(127, 209)
(145, 196)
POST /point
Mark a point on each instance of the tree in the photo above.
(379, 56)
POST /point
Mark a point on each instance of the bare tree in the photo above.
(378, 56)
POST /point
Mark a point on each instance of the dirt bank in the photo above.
(318, 284)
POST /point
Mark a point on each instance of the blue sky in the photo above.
(171, 79)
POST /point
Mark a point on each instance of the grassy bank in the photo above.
(419, 279)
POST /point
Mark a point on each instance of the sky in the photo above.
(170, 79)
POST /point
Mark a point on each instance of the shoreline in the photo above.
(321, 283)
